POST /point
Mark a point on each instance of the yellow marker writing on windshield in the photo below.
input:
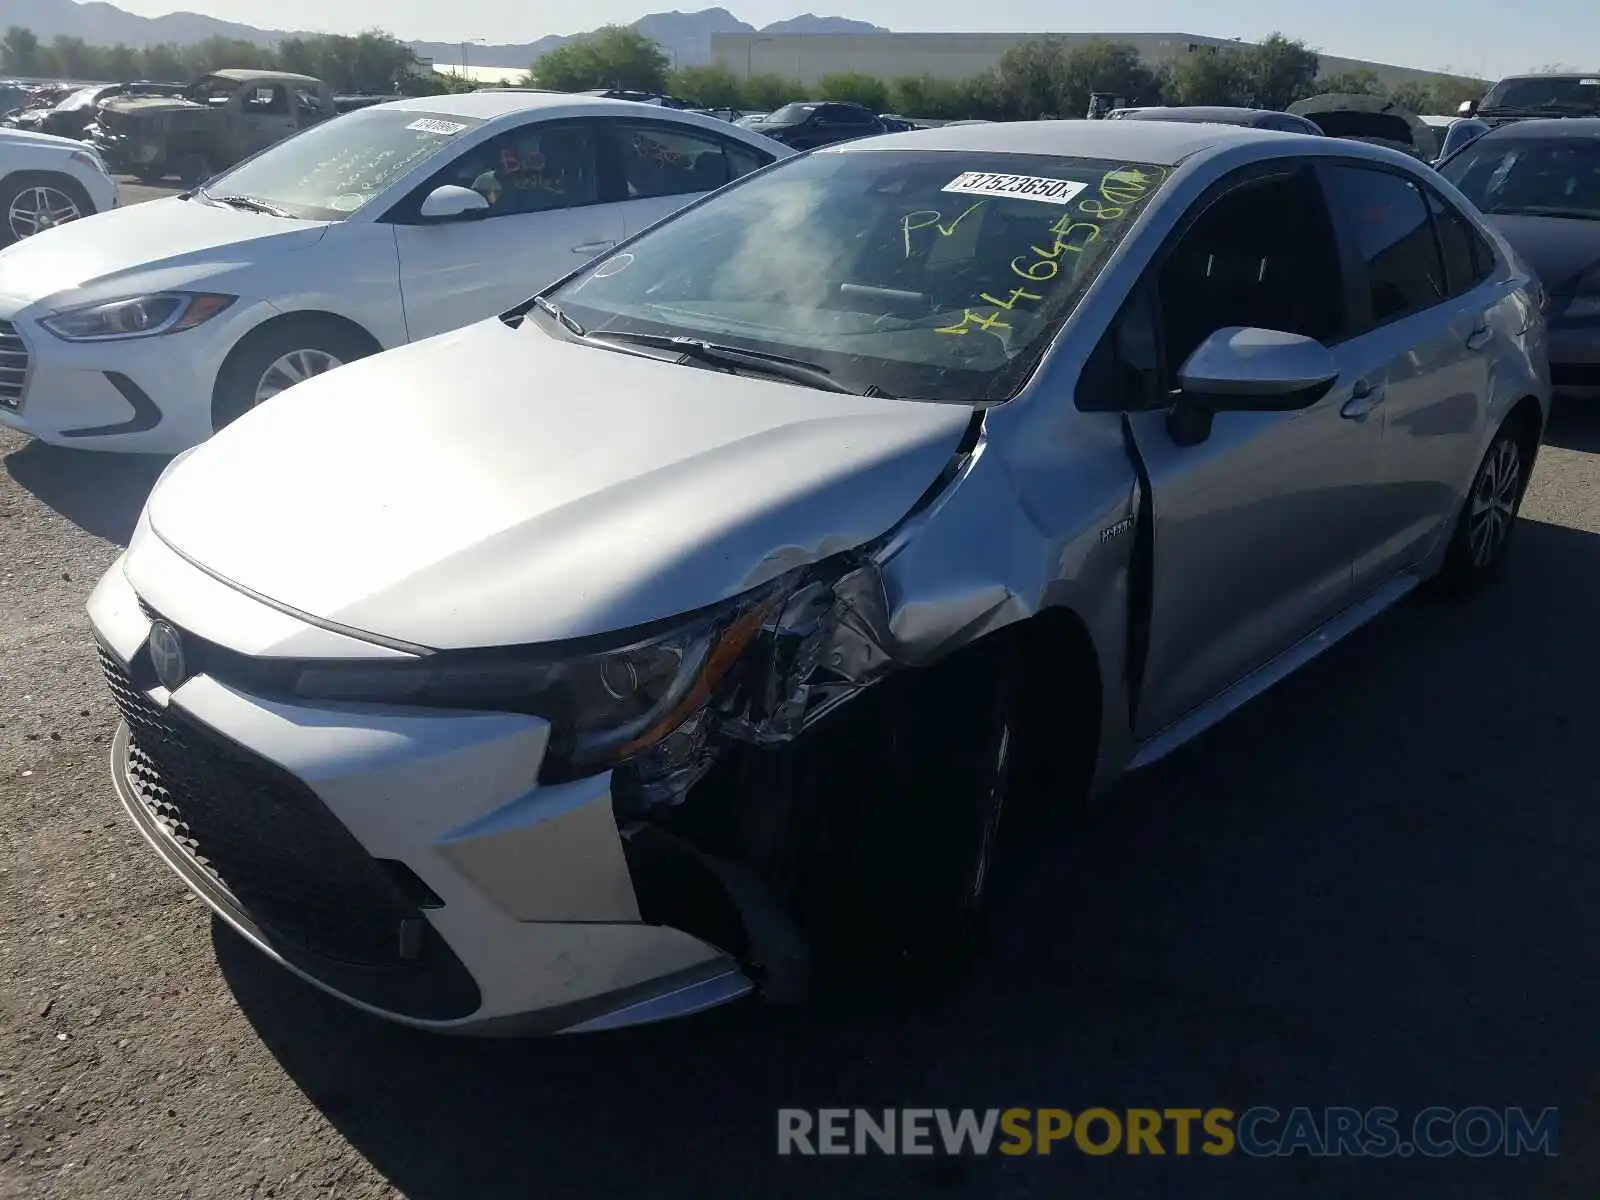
(971, 320)
(932, 219)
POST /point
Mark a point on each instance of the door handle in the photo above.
(1478, 338)
(1364, 397)
(593, 247)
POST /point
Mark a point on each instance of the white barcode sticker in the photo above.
(434, 125)
(1020, 187)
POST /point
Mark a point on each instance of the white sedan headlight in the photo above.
(136, 316)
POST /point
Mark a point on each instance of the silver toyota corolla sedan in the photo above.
(693, 625)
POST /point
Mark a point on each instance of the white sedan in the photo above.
(47, 181)
(150, 328)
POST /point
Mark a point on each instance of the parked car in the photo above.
(47, 181)
(148, 329)
(72, 115)
(1250, 118)
(1538, 182)
(807, 124)
(608, 659)
(1375, 119)
(751, 119)
(1518, 97)
(219, 120)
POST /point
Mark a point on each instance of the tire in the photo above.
(1482, 536)
(66, 189)
(912, 897)
(322, 344)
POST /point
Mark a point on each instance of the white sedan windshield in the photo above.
(334, 168)
(932, 275)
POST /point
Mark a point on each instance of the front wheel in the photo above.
(929, 804)
(39, 202)
(277, 357)
(1483, 531)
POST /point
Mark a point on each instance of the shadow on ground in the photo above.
(1375, 888)
(100, 493)
(1574, 424)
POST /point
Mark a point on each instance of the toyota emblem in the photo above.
(166, 655)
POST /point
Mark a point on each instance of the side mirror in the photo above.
(1467, 108)
(1240, 369)
(452, 202)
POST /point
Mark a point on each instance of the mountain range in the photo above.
(684, 36)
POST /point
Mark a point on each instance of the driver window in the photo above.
(267, 100)
(1262, 255)
(537, 168)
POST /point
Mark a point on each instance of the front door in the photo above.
(265, 115)
(548, 215)
(1257, 526)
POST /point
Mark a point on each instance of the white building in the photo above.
(493, 76)
(809, 57)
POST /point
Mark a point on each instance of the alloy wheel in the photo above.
(40, 207)
(1494, 502)
(290, 369)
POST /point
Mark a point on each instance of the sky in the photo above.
(1473, 37)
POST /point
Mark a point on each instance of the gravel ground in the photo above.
(1376, 888)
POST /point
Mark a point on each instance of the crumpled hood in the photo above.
(163, 243)
(497, 486)
(1557, 248)
(138, 106)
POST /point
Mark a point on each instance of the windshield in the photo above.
(927, 274)
(790, 114)
(1538, 92)
(1558, 177)
(331, 170)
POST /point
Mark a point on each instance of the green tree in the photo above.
(1449, 92)
(165, 64)
(855, 87)
(122, 64)
(769, 92)
(20, 52)
(1031, 77)
(1360, 82)
(709, 87)
(614, 56)
(1104, 66)
(1211, 75)
(1280, 71)
(935, 99)
(74, 58)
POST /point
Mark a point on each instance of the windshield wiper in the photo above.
(248, 203)
(560, 314)
(795, 370)
(1545, 210)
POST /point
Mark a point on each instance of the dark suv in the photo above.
(807, 124)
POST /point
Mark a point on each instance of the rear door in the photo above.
(1256, 527)
(664, 165)
(552, 208)
(1419, 353)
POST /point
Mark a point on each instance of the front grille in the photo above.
(264, 838)
(13, 366)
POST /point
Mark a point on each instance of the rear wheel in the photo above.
(276, 358)
(1482, 535)
(33, 203)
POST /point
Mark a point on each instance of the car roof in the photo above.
(487, 105)
(1547, 128)
(1163, 143)
(240, 74)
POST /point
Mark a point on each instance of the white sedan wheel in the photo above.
(38, 208)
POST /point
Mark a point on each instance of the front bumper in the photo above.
(143, 395)
(403, 861)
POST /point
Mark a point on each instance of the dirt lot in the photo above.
(1376, 888)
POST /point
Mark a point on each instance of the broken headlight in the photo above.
(604, 707)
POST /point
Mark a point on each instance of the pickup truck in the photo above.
(219, 119)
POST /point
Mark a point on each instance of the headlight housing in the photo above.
(136, 316)
(604, 706)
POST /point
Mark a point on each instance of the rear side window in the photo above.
(1467, 258)
(1389, 222)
